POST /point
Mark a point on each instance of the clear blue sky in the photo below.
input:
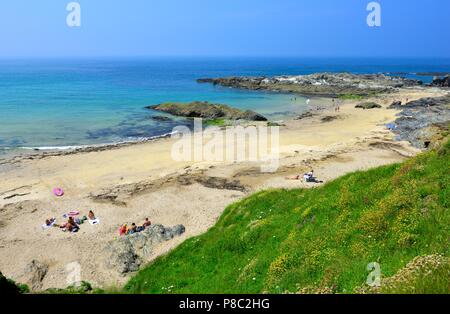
(301, 28)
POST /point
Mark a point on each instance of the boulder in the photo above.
(127, 253)
(368, 105)
(441, 82)
(34, 274)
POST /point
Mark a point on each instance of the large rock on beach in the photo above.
(206, 110)
(127, 253)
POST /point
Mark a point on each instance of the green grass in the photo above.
(281, 241)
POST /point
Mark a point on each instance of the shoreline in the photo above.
(42, 152)
(125, 184)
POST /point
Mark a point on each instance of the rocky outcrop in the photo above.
(395, 104)
(441, 82)
(320, 84)
(9, 288)
(207, 110)
(368, 105)
(161, 118)
(127, 253)
(307, 114)
(329, 118)
(34, 274)
(424, 122)
(213, 182)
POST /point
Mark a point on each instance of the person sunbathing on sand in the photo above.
(309, 177)
(91, 215)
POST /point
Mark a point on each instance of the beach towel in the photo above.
(94, 221)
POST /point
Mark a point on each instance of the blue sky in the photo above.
(291, 28)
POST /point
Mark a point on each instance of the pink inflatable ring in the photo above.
(58, 192)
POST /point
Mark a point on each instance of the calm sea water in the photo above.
(59, 103)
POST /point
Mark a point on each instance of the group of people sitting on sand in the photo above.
(124, 230)
(72, 224)
(307, 177)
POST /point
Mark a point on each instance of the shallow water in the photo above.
(60, 103)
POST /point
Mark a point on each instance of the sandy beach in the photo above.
(129, 183)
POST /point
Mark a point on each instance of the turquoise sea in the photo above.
(72, 102)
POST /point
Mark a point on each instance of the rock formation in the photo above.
(34, 275)
(368, 105)
(207, 110)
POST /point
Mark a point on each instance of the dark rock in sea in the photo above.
(441, 82)
(424, 122)
(307, 114)
(207, 110)
(127, 253)
(319, 84)
(368, 105)
(161, 118)
(34, 275)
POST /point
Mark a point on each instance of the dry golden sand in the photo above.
(169, 192)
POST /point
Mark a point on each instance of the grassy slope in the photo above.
(285, 240)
